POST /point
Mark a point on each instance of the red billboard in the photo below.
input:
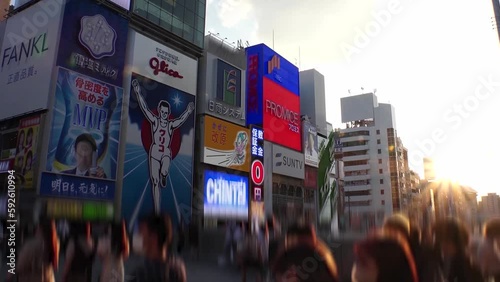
(281, 115)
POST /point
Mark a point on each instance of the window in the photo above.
(382, 182)
(378, 131)
(383, 203)
(381, 191)
(380, 171)
(379, 161)
(378, 141)
(380, 151)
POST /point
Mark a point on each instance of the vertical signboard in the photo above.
(26, 150)
(85, 133)
(257, 172)
(93, 41)
(310, 142)
(158, 165)
(27, 57)
(226, 145)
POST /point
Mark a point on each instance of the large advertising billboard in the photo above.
(85, 133)
(94, 40)
(27, 56)
(26, 149)
(288, 162)
(281, 116)
(311, 146)
(225, 97)
(125, 4)
(158, 165)
(226, 144)
(262, 62)
(226, 195)
(273, 100)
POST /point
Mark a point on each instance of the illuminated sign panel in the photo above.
(226, 195)
(257, 166)
(273, 100)
(281, 116)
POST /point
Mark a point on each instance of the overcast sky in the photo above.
(427, 58)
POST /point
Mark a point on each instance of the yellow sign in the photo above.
(226, 144)
(26, 153)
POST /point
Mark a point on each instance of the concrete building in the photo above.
(489, 206)
(373, 161)
(312, 99)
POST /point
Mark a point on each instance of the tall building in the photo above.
(312, 99)
(372, 159)
(429, 171)
(490, 206)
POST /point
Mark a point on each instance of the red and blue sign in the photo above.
(262, 62)
(93, 40)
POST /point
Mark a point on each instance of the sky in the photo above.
(436, 62)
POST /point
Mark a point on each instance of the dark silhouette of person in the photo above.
(85, 146)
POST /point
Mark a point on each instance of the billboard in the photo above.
(262, 62)
(226, 144)
(226, 195)
(257, 171)
(281, 116)
(225, 100)
(85, 133)
(26, 149)
(28, 53)
(94, 41)
(163, 64)
(158, 172)
(288, 162)
(311, 146)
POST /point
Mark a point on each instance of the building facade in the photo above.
(373, 161)
(73, 93)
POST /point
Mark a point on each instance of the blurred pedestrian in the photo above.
(80, 254)
(488, 253)
(452, 240)
(113, 248)
(39, 256)
(157, 263)
(181, 231)
(303, 257)
(194, 239)
(384, 257)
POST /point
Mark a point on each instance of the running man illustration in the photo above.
(162, 129)
(230, 158)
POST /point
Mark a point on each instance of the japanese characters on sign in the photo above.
(225, 110)
(90, 91)
(22, 74)
(68, 186)
(226, 144)
(257, 166)
(94, 66)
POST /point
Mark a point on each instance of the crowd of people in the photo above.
(396, 252)
(38, 260)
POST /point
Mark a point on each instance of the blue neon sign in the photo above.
(225, 194)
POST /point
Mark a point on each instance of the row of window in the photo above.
(185, 18)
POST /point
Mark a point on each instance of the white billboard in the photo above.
(310, 144)
(288, 162)
(27, 58)
(163, 64)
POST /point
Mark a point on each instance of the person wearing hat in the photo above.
(85, 146)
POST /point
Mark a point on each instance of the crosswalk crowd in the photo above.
(396, 252)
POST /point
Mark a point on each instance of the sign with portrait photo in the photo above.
(26, 153)
(83, 146)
